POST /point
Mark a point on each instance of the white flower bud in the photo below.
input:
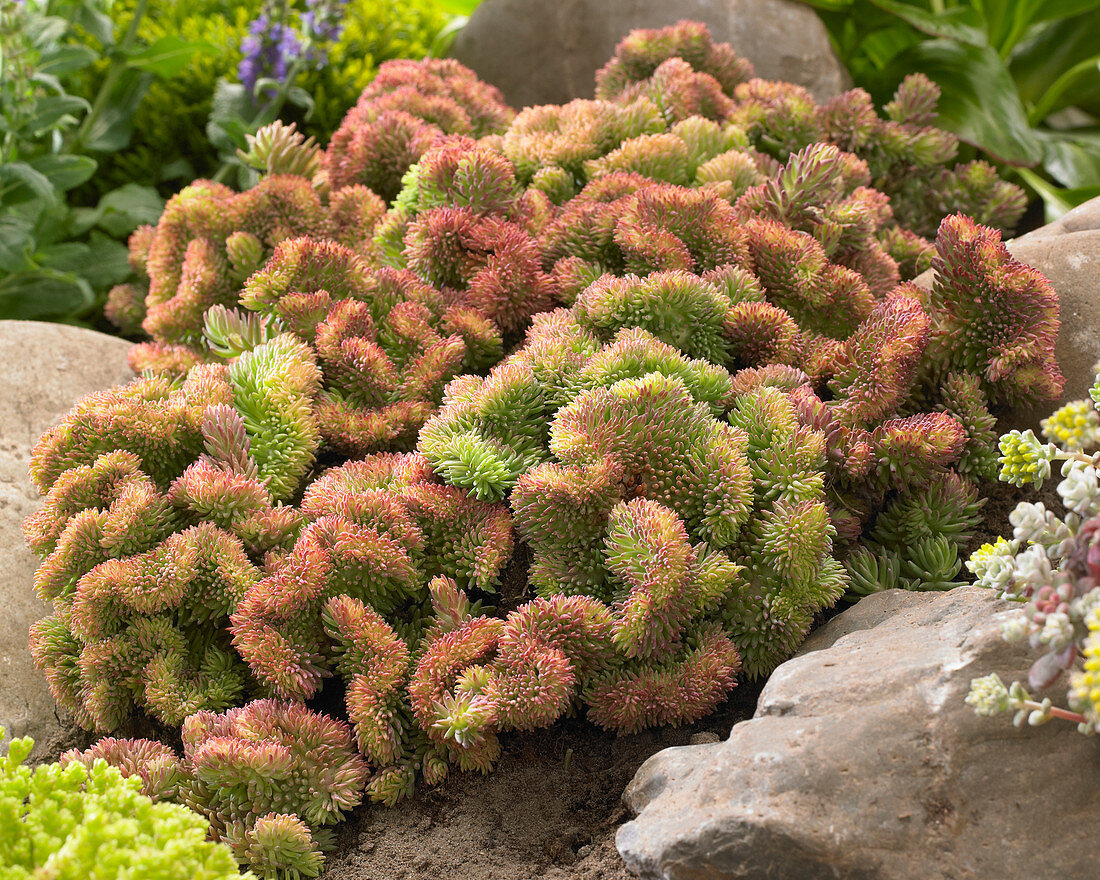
(1029, 521)
(1080, 490)
(1016, 629)
(1033, 568)
(1057, 631)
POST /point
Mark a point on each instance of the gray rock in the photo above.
(1068, 253)
(1081, 219)
(863, 762)
(548, 53)
(47, 367)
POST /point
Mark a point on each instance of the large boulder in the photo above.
(864, 762)
(548, 53)
(47, 367)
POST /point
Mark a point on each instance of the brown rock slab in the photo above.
(548, 53)
(47, 368)
(864, 762)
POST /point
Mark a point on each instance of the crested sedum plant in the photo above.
(269, 776)
(91, 821)
(148, 548)
(1051, 566)
(474, 420)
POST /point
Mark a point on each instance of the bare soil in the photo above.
(549, 810)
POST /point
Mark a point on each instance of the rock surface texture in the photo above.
(542, 53)
(863, 762)
(46, 368)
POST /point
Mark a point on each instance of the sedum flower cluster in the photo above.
(91, 821)
(473, 420)
(1051, 565)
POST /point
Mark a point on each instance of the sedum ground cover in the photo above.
(650, 361)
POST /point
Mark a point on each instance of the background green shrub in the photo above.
(170, 145)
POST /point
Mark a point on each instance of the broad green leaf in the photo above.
(1050, 10)
(65, 172)
(19, 182)
(1072, 157)
(109, 264)
(170, 55)
(102, 262)
(16, 240)
(48, 80)
(96, 22)
(43, 293)
(1007, 21)
(959, 23)
(883, 46)
(43, 30)
(52, 223)
(123, 210)
(1066, 89)
(65, 257)
(1056, 201)
(66, 59)
(979, 102)
(1052, 49)
(111, 129)
(50, 112)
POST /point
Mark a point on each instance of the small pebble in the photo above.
(584, 850)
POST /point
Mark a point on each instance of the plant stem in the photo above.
(118, 65)
(1055, 712)
(1090, 460)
